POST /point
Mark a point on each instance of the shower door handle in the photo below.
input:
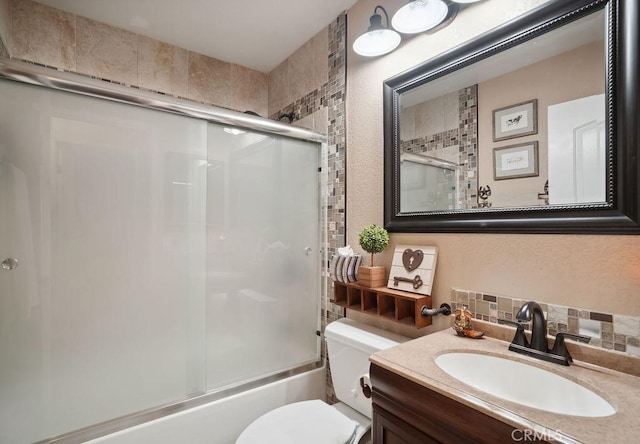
(10, 263)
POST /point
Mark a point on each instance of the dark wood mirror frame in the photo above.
(620, 214)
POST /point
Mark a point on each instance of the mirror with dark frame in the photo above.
(529, 128)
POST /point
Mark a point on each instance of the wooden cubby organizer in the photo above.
(397, 305)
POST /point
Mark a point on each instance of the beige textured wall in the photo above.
(551, 81)
(594, 272)
(62, 40)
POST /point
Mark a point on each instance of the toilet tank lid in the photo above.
(362, 336)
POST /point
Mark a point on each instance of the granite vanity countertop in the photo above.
(415, 360)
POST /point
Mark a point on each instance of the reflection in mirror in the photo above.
(428, 183)
(528, 123)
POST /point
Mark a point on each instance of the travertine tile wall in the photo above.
(300, 79)
(436, 115)
(58, 39)
(609, 331)
(42, 34)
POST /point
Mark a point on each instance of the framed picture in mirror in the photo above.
(516, 120)
(515, 161)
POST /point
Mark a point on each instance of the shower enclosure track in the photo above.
(124, 422)
(79, 84)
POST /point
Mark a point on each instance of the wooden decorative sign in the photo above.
(413, 268)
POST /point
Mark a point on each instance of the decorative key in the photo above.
(416, 281)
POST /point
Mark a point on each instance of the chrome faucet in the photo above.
(538, 347)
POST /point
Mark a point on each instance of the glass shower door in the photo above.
(150, 258)
(263, 261)
(103, 205)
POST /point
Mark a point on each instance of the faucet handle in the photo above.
(560, 348)
(519, 338)
(574, 337)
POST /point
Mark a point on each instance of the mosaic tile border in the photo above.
(335, 100)
(306, 105)
(608, 331)
(431, 142)
(468, 134)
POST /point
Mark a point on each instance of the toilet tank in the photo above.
(349, 345)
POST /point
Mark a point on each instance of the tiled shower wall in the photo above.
(609, 331)
(58, 39)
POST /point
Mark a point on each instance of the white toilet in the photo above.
(315, 422)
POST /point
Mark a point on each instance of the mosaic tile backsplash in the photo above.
(609, 331)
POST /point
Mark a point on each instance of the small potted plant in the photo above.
(373, 239)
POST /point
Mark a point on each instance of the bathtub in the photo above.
(222, 421)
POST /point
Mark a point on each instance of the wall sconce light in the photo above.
(414, 17)
(419, 16)
(379, 39)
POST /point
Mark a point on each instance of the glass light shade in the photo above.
(419, 16)
(376, 42)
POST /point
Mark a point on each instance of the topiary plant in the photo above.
(373, 239)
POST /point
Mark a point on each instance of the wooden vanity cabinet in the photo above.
(405, 412)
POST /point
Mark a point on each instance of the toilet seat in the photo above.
(311, 422)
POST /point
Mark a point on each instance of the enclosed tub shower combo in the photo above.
(158, 257)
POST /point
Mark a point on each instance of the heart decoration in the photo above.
(412, 259)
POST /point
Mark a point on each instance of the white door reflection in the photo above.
(577, 151)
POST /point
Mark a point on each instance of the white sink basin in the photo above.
(524, 384)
